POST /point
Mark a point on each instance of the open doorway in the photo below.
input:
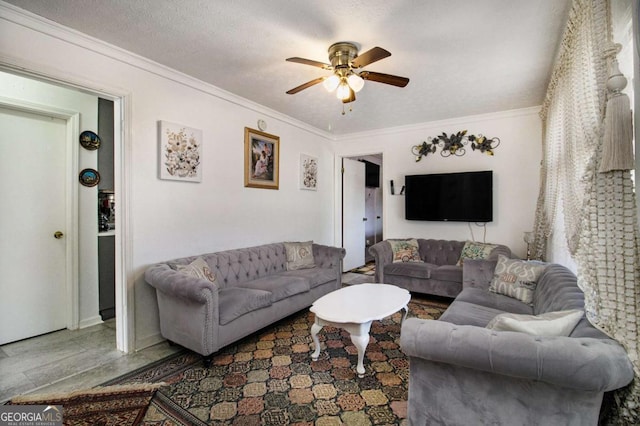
(361, 207)
(81, 232)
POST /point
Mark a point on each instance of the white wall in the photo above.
(36, 92)
(172, 219)
(515, 166)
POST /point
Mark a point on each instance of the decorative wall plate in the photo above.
(89, 140)
(89, 177)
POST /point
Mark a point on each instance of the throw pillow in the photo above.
(473, 250)
(560, 323)
(405, 250)
(516, 278)
(198, 268)
(299, 255)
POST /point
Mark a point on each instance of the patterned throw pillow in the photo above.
(299, 255)
(405, 250)
(516, 278)
(559, 323)
(198, 268)
(473, 250)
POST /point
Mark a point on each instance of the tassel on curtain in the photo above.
(617, 149)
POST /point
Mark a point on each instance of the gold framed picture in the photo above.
(261, 159)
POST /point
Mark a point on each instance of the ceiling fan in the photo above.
(347, 79)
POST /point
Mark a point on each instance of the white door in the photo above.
(353, 213)
(32, 209)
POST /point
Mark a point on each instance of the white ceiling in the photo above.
(463, 57)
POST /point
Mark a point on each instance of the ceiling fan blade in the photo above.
(305, 86)
(370, 56)
(310, 62)
(394, 80)
(351, 98)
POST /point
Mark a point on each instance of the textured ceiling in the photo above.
(463, 57)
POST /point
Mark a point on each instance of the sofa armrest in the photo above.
(328, 257)
(577, 363)
(500, 250)
(382, 255)
(478, 273)
(177, 284)
(188, 308)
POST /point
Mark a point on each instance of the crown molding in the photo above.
(449, 122)
(52, 29)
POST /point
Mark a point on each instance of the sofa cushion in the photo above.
(473, 250)
(559, 323)
(410, 269)
(198, 268)
(451, 273)
(281, 285)
(405, 250)
(315, 276)
(464, 313)
(235, 302)
(495, 301)
(299, 255)
(516, 278)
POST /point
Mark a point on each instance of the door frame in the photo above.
(72, 123)
(124, 298)
(337, 191)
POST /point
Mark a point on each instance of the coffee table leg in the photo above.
(360, 342)
(406, 311)
(360, 339)
(315, 329)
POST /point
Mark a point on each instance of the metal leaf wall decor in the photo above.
(454, 145)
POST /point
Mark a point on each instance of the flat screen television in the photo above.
(456, 197)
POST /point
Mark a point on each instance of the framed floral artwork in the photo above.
(261, 159)
(180, 152)
(308, 172)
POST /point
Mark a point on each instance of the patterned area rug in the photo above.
(368, 269)
(269, 378)
(113, 405)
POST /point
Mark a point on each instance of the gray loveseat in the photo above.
(462, 373)
(437, 274)
(252, 289)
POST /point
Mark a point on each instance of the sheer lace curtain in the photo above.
(592, 215)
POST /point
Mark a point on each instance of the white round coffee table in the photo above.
(354, 308)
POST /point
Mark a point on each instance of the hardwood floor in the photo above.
(67, 360)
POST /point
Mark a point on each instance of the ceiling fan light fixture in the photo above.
(331, 83)
(355, 82)
(344, 91)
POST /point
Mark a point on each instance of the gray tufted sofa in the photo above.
(462, 373)
(437, 274)
(252, 289)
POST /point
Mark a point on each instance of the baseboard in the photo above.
(147, 341)
(88, 322)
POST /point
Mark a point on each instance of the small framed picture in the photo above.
(180, 156)
(308, 172)
(261, 159)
